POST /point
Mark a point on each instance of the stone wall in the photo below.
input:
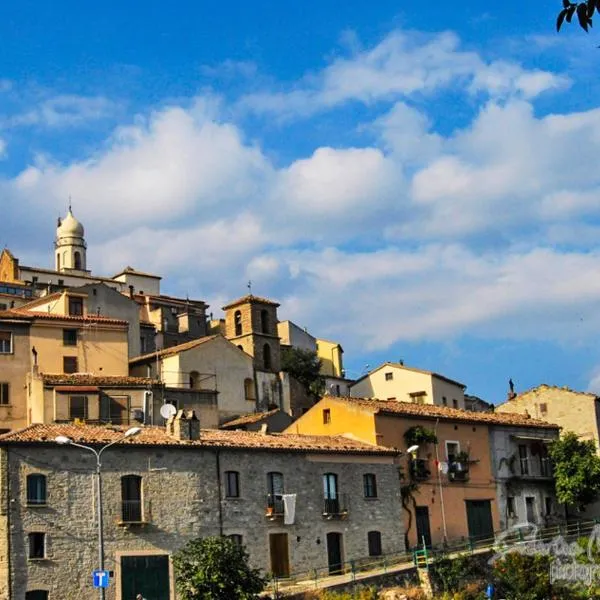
(182, 500)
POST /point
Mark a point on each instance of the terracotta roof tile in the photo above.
(249, 419)
(431, 411)
(21, 312)
(413, 370)
(76, 379)
(209, 438)
(172, 350)
(250, 298)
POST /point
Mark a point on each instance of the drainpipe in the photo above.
(437, 460)
(218, 465)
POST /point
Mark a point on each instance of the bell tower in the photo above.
(69, 246)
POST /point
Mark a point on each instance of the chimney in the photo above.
(184, 426)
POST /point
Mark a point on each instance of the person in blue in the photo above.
(489, 592)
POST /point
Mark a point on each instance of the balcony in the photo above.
(335, 508)
(458, 470)
(535, 468)
(131, 513)
(419, 469)
(275, 508)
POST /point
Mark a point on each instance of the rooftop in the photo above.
(431, 411)
(132, 271)
(414, 370)
(249, 419)
(33, 315)
(83, 379)
(209, 438)
(250, 298)
(172, 350)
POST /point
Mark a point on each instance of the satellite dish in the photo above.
(167, 410)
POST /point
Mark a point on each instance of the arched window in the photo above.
(275, 492)
(131, 498)
(58, 262)
(36, 489)
(249, 389)
(374, 539)
(78, 260)
(267, 356)
(264, 321)
(194, 380)
(241, 347)
(237, 319)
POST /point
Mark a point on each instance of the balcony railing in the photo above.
(335, 508)
(419, 469)
(275, 507)
(131, 511)
(458, 470)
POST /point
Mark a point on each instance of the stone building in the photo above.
(295, 502)
(272, 421)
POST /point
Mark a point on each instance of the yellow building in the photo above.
(456, 494)
(331, 355)
(396, 381)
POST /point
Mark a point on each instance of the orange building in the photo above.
(454, 496)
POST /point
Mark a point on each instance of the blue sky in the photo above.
(418, 183)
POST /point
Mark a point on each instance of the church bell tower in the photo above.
(70, 247)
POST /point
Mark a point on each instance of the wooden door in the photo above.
(334, 553)
(479, 519)
(423, 527)
(280, 561)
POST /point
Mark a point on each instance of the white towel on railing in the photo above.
(289, 508)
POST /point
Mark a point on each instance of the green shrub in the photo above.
(523, 577)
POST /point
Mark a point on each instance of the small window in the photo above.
(510, 506)
(548, 505)
(69, 364)
(232, 484)
(36, 595)
(237, 539)
(77, 257)
(37, 545)
(543, 408)
(36, 489)
(78, 407)
(444, 401)
(69, 337)
(4, 394)
(370, 485)
(5, 342)
(374, 538)
(326, 416)
(194, 380)
(523, 459)
(454, 403)
(237, 319)
(264, 321)
(452, 450)
(61, 282)
(267, 356)
(75, 307)
(249, 389)
(131, 498)
(389, 376)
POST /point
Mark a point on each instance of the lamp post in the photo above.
(64, 440)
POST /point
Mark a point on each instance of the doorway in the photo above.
(334, 553)
(479, 519)
(530, 508)
(146, 575)
(280, 561)
(423, 526)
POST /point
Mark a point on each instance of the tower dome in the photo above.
(70, 247)
(70, 227)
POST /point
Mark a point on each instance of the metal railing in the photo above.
(335, 507)
(131, 511)
(275, 506)
(419, 469)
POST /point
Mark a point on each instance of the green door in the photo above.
(146, 575)
(479, 519)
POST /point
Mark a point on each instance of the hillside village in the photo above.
(213, 437)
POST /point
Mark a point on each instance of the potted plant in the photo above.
(419, 435)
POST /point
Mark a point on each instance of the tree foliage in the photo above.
(576, 470)
(215, 568)
(583, 10)
(305, 367)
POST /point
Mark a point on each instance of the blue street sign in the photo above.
(100, 579)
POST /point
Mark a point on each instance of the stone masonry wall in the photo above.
(181, 502)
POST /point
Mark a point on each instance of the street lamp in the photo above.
(64, 440)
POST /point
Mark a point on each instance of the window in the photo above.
(370, 485)
(264, 321)
(75, 306)
(232, 484)
(330, 493)
(114, 409)
(418, 397)
(444, 401)
(326, 416)
(194, 380)
(37, 545)
(454, 403)
(77, 260)
(545, 465)
(61, 282)
(543, 408)
(5, 342)
(36, 595)
(452, 449)
(78, 407)
(69, 337)
(69, 364)
(389, 376)
(548, 505)
(237, 319)
(131, 498)
(275, 490)
(374, 538)
(523, 459)
(237, 539)
(4, 393)
(36, 489)
(249, 389)
(510, 506)
(267, 356)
